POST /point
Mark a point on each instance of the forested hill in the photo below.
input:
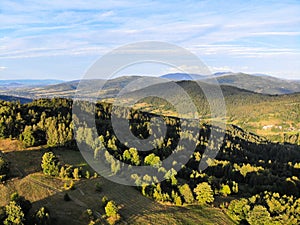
(258, 174)
(273, 116)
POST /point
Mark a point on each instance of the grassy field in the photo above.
(47, 191)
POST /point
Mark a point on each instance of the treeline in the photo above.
(40, 122)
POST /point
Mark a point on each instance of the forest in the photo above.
(254, 180)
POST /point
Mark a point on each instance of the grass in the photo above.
(47, 191)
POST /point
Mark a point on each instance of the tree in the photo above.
(15, 215)
(239, 209)
(76, 174)
(132, 156)
(152, 160)
(186, 193)
(259, 215)
(111, 209)
(50, 164)
(27, 137)
(204, 193)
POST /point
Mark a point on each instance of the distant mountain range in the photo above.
(259, 83)
(13, 84)
(31, 89)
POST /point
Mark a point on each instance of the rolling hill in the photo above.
(14, 99)
(273, 116)
(257, 82)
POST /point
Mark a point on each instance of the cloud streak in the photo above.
(230, 29)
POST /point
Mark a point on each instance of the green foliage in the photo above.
(238, 209)
(235, 187)
(15, 215)
(50, 164)
(159, 195)
(247, 168)
(87, 174)
(225, 190)
(266, 208)
(70, 186)
(27, 137)
(152, 160)
(111, 209)
(76, 174)
(259, 215)
(21, 201)
(176, 198)
(104, 201)
(186, 193)
(42, 217)
(204, 193)
(131, 155)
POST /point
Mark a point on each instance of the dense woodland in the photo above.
(261, 177)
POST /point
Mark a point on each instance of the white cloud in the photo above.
(2, 68)
(201, 69)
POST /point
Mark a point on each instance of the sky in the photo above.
(61, 39)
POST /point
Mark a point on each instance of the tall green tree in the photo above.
(50, 164)
(204, 193)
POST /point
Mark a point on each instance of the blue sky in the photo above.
(60, 39)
